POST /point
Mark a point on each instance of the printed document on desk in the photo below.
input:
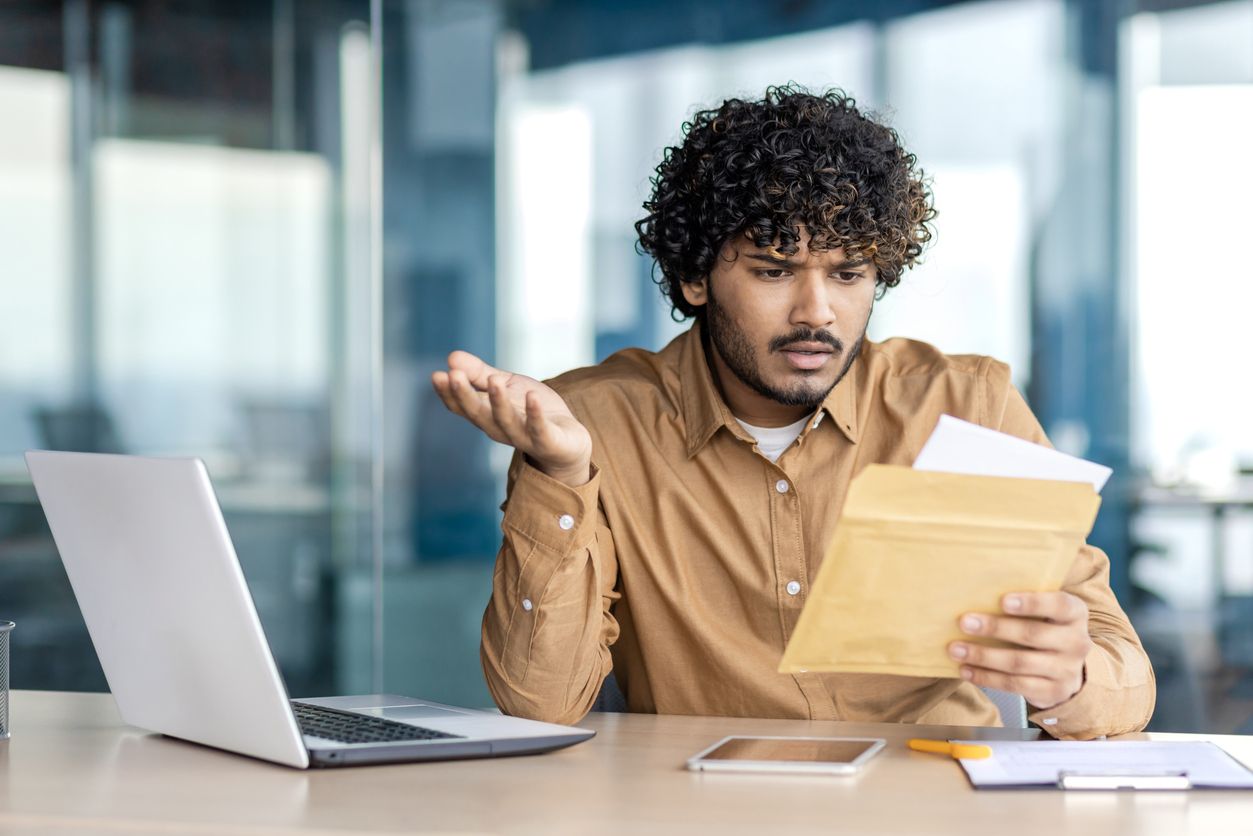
(1016, 763)
(957, 446)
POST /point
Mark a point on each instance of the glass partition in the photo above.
(183, 265)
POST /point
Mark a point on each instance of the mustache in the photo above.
(806, 335)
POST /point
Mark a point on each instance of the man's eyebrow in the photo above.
(769, 259)
(847, 264)
(851, 264)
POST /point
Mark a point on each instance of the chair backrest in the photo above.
(610, 697)
(1013, 707)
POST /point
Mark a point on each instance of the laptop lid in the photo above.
(159, 585)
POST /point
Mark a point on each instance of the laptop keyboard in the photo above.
(348, 727)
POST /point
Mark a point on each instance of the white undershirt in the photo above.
(772, 441)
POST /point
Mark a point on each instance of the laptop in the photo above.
(160, 587)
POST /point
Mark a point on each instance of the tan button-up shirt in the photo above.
(684, 563)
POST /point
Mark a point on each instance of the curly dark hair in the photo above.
(765, 168)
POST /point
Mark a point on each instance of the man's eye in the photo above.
(772, 273)
(848, 277)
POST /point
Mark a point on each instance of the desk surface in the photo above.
(72, 767)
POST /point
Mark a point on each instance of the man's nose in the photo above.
(812, 303)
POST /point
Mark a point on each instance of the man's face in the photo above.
(784, 329)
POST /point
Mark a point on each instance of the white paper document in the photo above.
(957, 446)
(1018, 763)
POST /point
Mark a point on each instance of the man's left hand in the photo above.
(1050, 630)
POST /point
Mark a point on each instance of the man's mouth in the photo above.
(807, 356)
(808, 348)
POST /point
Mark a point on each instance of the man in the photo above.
(667, 511)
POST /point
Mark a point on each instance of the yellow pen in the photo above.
(970, 751)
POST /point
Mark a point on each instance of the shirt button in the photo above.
(566, 522)
(781, 486)
(526, 604)
(1049, 721)
(793, 587)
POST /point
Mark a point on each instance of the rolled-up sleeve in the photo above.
(548, 627)
(1119, 690)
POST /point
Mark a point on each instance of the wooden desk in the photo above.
(71, 767)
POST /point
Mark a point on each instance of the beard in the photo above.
(737, 351)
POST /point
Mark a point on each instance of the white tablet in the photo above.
(813, 755)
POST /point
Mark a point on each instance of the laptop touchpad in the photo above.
(413, 713)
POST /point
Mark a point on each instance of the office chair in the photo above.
(82, 427)
(1013, 707)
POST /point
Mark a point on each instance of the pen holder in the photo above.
(6, 627)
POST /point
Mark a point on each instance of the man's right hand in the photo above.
(519, 411)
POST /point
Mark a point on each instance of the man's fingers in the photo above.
(1037, 690)
(1005, 659)
(1047, 666)
(537, 424)
(470, 403)
(461, 399)
(505, 413)
(443, 388)
(1028, 632)
(1055, 606)
(515, 410)
(476, 371)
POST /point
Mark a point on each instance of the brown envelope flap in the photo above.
(902, 494)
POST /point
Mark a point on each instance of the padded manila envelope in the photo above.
(914, 550)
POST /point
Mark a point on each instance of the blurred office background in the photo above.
(248, 231)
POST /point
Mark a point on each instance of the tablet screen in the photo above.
(791, 749)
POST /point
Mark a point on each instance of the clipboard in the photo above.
(1140, 765)
(1111, 781)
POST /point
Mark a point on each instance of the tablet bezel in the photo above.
(701, 763)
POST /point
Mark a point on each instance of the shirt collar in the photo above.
(704, 410)
(841, 402)
(703, 406)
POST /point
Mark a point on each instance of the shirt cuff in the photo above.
(550, 513)
(1083, 716)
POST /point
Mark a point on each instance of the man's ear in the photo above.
(696, 293)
